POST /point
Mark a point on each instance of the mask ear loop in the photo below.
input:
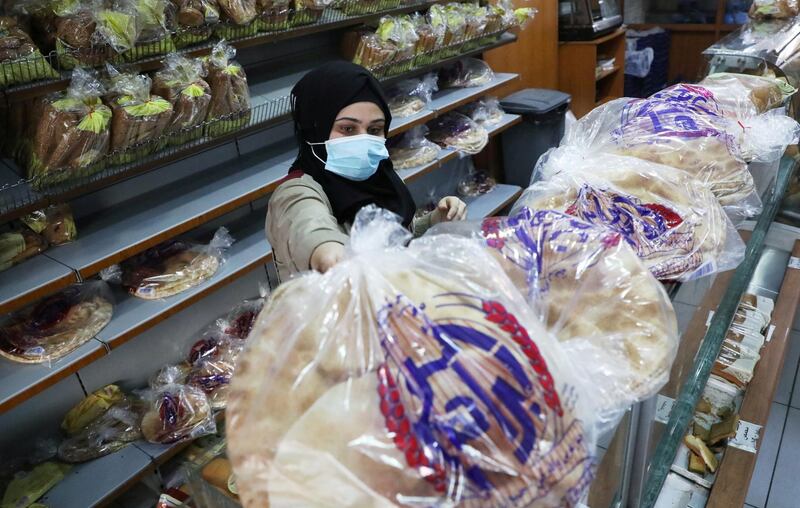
(315, 153)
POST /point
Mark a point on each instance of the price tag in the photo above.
(794, 263)
(747, 435)
(663, 408)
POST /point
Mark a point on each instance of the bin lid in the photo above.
(534, 101)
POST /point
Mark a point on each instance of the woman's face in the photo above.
(359, 118)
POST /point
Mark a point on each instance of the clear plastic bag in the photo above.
(669, 133)
(181, 83)
(230, 96)
(90, 408)
(450, 25)
(152, 36)
(675, 226)
(774, 9)
(412, 149)
(273, 15)
(213, 368)
(459, 132)
(57, 325)
(73, 132)
(177, 413)
(117, 25)
(486, 111)
(170, 267)
(113, 430)
(239, 12)
(20, 58)
(19, 244)
(474, 182)
(407, 377)
(564, 267)
(735, 91)
(467, 72)
(139, 118)
(240, 320)
(411, 96)
(55, 224)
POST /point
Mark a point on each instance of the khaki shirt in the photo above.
(300, 219)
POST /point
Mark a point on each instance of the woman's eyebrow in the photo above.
(378, 120)
(347, 118)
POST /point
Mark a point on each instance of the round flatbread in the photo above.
(177, 412)
(56, 325)
(565, 267)
(181, 271)
(675, 226)
(457, 377)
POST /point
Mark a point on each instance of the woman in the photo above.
(341, 121)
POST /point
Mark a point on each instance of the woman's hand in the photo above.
(449, 209)
(326, 256)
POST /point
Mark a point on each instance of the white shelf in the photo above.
(489, 204)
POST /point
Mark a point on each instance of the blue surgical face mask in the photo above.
(354, 157)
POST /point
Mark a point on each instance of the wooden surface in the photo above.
(576, 71)
(737, 465)
(686, 60)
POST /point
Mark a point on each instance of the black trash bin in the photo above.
(543, 112)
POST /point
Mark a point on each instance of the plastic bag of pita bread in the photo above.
(407, 376)
(676, 227)
(758, 137)
(677, 135)
(239, 321)
(734, 90)
(177, 412)
(564, 267)
(170, 267)
(56, 325)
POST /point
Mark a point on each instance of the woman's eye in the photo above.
(348, 129)
(376, 131)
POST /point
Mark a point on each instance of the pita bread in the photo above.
(177, 412)
(106, 434)
(745, 94)
(181, 272)
(85, 313)
(356, 324)
(565, 267)
(675, 226)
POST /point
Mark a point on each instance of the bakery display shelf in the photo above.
(491, 203)
(331, 19)
(31, 280)
(270, 105)
(162, 453)
(20, 382)
(692, 386)
(97, 482)
(504, 124)
(607, 72)
(736, 467)
(133, 316)
(411, 174)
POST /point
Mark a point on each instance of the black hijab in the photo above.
(316, 101)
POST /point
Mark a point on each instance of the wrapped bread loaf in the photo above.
(180, 82)
(306, 12)
(238, 19)
(675, 226)
(273, 15)
(19, 244)
(744, 91)
(177, 413)
(152, 34)
(76, 42)
(55, 224)
(73, 132)
(395, 373)
(229, 110)
(195, 19)
(139, 118)
(774, 9)
(20, 59)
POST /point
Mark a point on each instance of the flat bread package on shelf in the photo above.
(774, 9)
(229, 110)
(181, 83)
(195, 19)
(674, 225)
(34, 233)
(73, 132)
(465, 73)
(170, 267)
(486, 111)
(20, 58)
(57, 325)
(213, 367)
(240, 320)
(114, 429)
(459, 132)
(411, 96)
(139, 117)
(18, 244)
(564, 267)
(676, 135)
(407, 376)
(175, 413)
(55, 224)
(412, 149)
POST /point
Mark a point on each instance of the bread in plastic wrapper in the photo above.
(55, 224)
(410, 376)
(212, 371)
(273, 15)
(139, 117)
(195, 19)
(238, 12)
(73, 132)
(177, 413)
(20, 58)
(763, 92)
(239, 321)
(565, 267)
(675, 226)
(774, 9)
(486, 111)
(152, 34)
(181, 83)
(756, 137)
(55, 326)
(109, 432)
(170, 267)
(673, 134)
(459, 132)
(474, 182)
(229, 110)
(464, 73)
(19, 244)
(411, 96)
(91, 408)
(412, 149)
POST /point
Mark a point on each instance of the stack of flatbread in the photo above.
(56, 325)
(676, 227)
(419, 380)
(177, 412)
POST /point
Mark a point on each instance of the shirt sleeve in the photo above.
(300, 219)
